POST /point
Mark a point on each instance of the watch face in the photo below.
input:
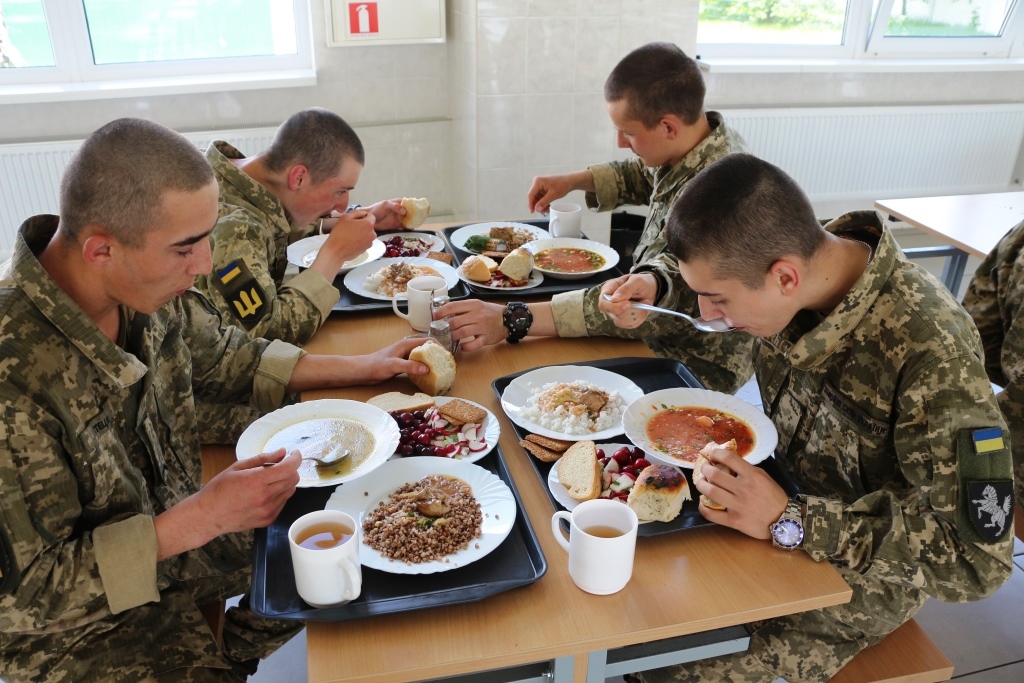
(788, 533)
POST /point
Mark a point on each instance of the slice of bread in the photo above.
(698, 474)
(442, 256)
(580, 472)
(517, 265)
(539, 452)
(549, 443)
(396, 401)
(658, 494)
(442, 368)
(459, 412)
(494, 255)
(478, 268)
(416, 211)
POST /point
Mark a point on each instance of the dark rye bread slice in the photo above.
(549, 443)
(539, 452)
(459, 412)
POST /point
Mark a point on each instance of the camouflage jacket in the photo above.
(249, 246)
(718, 361)
(888, 425)
(95, 441)
(995, 299)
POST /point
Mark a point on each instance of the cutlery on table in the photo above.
(322, 461)
(716, 325)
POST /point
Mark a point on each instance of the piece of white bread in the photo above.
(705, 452)
(479, 268)
(442, 368)
(416, 211)
(580, 472)
(658, 494)
(517, 265)
(396, 401)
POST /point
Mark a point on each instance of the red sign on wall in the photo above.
(362, 18)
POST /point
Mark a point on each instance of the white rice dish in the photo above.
(393, 278)
(554, 406)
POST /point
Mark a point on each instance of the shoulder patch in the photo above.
(991, 508)
(987, 440)
(246, 299)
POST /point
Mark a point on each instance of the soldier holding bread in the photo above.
(873, 377)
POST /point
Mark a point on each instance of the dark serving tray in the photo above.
(550, 284)
(350, 301)
(518, 561)
(650, 374)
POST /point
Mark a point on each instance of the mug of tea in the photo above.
(602, 538)
(418, 294)
(325, 556)
(565, 220)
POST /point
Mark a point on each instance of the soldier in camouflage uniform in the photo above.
(108, 542)
(995, 300)
(873, 378)
(655, 98)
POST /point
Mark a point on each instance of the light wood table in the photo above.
(970, 224)
(682, 583)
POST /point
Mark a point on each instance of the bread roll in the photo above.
(517, 265)
(396, 401)
(658, 494)
(580, 472)
(478, 268)
(416, 212)
(704, 457)
(442, 368)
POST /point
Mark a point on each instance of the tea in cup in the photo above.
(418, 292)
(325, 556)
(602, 539)
(566, 220)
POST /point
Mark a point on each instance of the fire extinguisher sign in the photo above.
(362, 18)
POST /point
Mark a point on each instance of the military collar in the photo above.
(220, 155)
(61, 310)
(814, 346)
(668, 179)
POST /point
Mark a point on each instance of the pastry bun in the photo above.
(416, 212)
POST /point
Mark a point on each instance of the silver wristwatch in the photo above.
(788, 532)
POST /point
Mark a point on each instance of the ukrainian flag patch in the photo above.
(246, 299)
(987, 440)
(229, 272)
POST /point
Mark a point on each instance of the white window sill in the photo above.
(143, 87)
(803, 65)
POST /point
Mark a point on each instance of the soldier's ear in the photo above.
(786, 275)
(97, 246)
(298, 175)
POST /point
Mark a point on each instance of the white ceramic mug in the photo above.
(328, 576)
(602, 538)
(418, 294)
(566, 220)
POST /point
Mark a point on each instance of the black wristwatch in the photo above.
(517, 319)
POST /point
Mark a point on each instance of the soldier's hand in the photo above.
(622, 291)
(248, 495)
(351, 236)
(478, 321)
(387, 214)
(393, 360)
(752, 499)
(546, 189)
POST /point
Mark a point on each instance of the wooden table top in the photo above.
(971, 222)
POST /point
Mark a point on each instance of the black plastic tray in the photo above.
(518, 561)
(650, 374)
(550, 284)
(350, 301)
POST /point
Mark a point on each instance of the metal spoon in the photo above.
(331, 459)
(716, 325)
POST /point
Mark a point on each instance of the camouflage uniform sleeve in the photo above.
(55, 577)
(618, 183)
(932, 542)
(230, 367)
(242, 287)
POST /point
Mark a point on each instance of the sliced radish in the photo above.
(477, 446)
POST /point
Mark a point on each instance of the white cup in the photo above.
(566, 220)
(602, 538)
(330, 576)
(418, 294)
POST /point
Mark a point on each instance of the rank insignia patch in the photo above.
(991, 508)
(245, 296)
(987, 440)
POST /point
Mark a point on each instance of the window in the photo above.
(856, 29)
(81, 42)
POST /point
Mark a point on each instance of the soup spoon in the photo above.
(716, 325)
(322, 461)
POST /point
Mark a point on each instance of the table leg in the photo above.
(953, 271)
(561, 670)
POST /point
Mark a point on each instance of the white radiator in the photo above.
(868, 153)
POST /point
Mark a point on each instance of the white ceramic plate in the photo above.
(561, 494)
(298, 253)
(491, 429)
(497, 504)
(459, 237)
(611, 257)
(518, 392)
(536, 278)
(357, 276)
(384, 430)
(640, 412)
(433, 241)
